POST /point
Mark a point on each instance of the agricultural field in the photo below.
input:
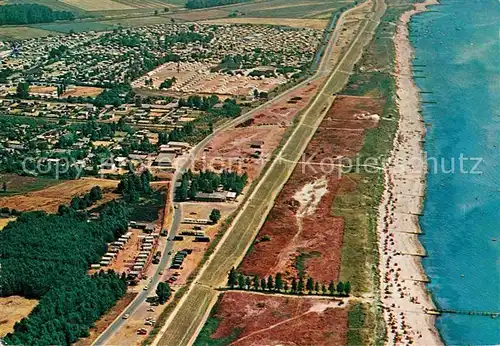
(318, 24)
(250, 319)
(310, 9)
(289, 9)
(17, 184)
(98, 5)
(136, 22)
(76, 27)
(57, 5)
(49, 199)
(14, 308)
(11, 33)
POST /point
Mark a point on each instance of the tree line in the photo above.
(278, 284)
(31, 14)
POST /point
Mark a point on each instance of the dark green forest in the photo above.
(30, 14)
(47, 256)
(41, 250)
(66, 312)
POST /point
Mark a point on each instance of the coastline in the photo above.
(405, 300)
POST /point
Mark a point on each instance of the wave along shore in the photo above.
(404, 297)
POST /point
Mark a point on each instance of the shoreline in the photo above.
(405, 300)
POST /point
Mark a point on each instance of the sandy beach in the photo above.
(404, 296)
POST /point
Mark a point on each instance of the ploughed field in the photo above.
(301, 236)
(256, 319)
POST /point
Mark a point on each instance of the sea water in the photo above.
(457, 66)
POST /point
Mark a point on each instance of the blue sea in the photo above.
(457, 56)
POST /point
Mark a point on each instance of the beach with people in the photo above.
(407, 307)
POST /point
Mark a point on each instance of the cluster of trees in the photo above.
(167, 83)
(132, 186)
(260, 95)
(192, 4)
(208, 181)
(30, 14)
(179, 135)
(41, 251)
(79, 203)
(61, 89)
(265, 73)
(214, 215)
(5, 73)
(56, 53)
(116, 96)
(163, 292)
(188, 37)
(23, 90)
(232, 62)
(10, 212)
(68, 310)
(147, 63)
(278, 284)
(229, 109)
(199, 102)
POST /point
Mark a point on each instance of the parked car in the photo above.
(126, 316)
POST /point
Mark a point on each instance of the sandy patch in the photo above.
(4, 222)
(310, 196)
(82, 91)
(14, 309)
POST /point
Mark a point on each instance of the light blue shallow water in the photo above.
(460, 48)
